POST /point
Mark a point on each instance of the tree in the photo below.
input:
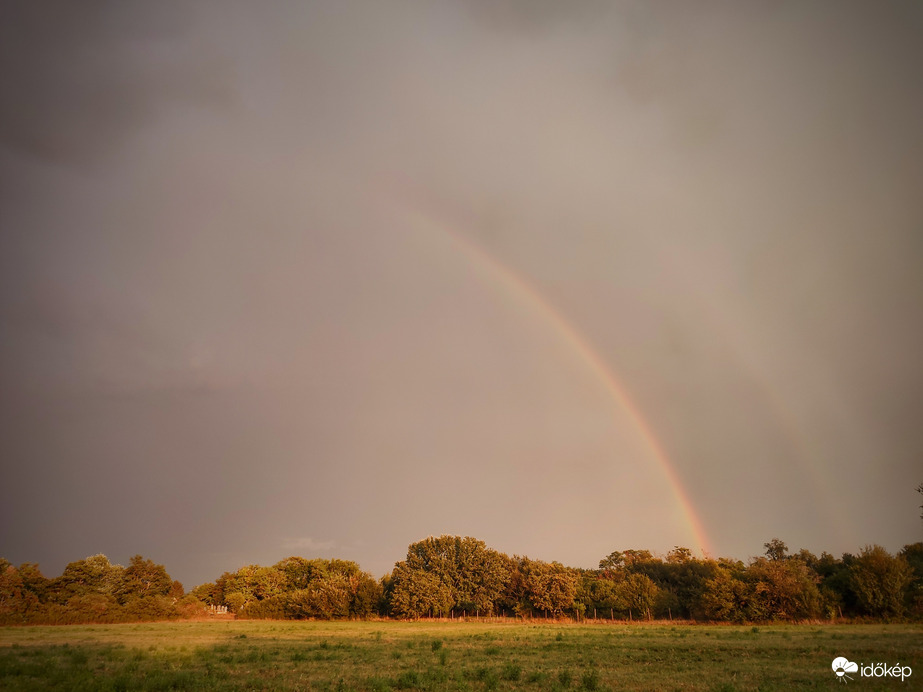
(296, 587)
(782, 589)
(913, 554)
(417, 593)
(34, 581)
(11, 592)
(625, 559)
(638, 592)
(725, 596)
(679, 555)
(515, 596)
(209, 593)
(22, 592)
(299, 572)
(680, 580)
(92, 575)
(551, 587)
(325, 598)
(251, 583)
(880, 582)
(143, 578)
(366, 594)
(474, 574)
(613, 560)
(87, 588)
(152, 607)
(836, 584)
(775, 549)
(597, 591)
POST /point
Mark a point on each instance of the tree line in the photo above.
(453, 576)
(450, 576)
(92, 590)
(296, 588)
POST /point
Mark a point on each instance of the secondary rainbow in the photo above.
(520, 287)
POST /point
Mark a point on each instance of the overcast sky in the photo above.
(323, 279)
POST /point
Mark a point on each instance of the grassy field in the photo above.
(274, 655)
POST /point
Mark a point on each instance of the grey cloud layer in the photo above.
(221, 328)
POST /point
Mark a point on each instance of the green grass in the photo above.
(273, 655)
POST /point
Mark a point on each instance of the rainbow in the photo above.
(525, 292)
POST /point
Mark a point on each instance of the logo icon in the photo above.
(841, 666)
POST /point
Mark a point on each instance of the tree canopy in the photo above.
(453, 576)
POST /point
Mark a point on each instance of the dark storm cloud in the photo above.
(225, 334)
(78, 78)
